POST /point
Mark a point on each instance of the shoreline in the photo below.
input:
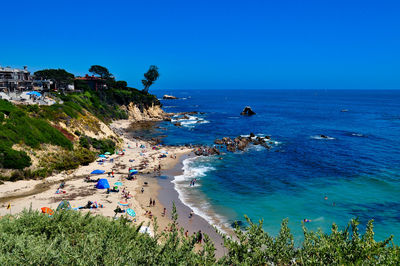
(169, 195)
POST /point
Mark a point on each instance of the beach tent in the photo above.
(102, 184)
(133, 172)
(97, 172)
(64, 205)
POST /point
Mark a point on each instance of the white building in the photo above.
(14, 79)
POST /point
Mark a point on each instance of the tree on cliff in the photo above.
(60, 77)
(101, 71)
(150, 77)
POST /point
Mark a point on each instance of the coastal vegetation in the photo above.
(27, 129)
(73, 238)
(150, 77)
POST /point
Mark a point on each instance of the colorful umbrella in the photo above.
(123, 203)
(102, 156)
(118, 184)
(107, 153)
(131, 212)
(47, 210)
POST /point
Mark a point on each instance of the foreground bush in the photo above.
(70, 238)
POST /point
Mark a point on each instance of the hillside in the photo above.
(39, 140)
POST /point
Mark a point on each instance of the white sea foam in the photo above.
(357, 134)
(181, 184)
(319, 137)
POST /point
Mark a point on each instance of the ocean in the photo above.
(352, 173)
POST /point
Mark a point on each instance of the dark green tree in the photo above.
(101, 71)
(150, 77)
(60, 77)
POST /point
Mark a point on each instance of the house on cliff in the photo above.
(14, 79)
(95, 83)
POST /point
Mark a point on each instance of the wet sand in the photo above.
(168, 195)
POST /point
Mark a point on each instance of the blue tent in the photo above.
(102, 184)
(97, 172)
(34, 93)
(133, 172)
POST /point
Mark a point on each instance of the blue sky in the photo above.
(322, 44)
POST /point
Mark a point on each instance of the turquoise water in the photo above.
(357, 168)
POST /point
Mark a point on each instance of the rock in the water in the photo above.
(247, 111)
(218, 141)
(169, 97)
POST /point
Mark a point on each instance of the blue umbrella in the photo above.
(97, 172)
(34, 93)
(131, 212)
(102, 156)
(118, 184)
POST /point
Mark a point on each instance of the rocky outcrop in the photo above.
(241, 143)
(247, 111)
(152, 113)
(169, 97)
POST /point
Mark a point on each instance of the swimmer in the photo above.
(325, 198)
(306, 220)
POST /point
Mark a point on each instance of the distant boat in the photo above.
(344, 110)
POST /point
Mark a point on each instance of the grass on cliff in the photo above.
(71, 238)
(17, 127)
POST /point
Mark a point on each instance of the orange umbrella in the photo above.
(47, 210)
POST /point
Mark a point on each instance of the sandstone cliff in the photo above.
(152, 113)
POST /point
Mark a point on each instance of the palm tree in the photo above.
(150, 77)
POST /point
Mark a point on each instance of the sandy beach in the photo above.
(138, 154)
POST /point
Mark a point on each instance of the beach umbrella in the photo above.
(97, 172)
(164, 151)
(47, 210)
(123, 203)
(34, 93)
(118, 184)
(102, 156)
(131, 212)
(107, 153)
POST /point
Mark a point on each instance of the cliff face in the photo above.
(152, 113)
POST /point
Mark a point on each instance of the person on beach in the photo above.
(142, 190)
(187, 234)
(191, 214)
(151, 202)
(164, 212)
(154, 203)
(199, 237)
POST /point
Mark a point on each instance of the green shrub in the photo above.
(12, 159)
(102, 145)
